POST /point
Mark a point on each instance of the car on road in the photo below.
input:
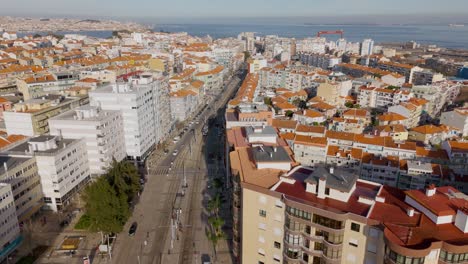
(175, 152)
(205, 259)
(166, 151)
(176, 139)
(133, 228)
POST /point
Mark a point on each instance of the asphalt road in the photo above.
(164, 181)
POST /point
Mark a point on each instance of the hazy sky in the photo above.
(230, 8)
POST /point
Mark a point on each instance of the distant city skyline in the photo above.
(205, 9)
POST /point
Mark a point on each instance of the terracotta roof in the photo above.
(428, 129)
(389, 117)
(310, 129)
(356, 112)
(280, 123)
(307, 140)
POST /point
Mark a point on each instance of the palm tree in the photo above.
(215, 233)
(214, 205)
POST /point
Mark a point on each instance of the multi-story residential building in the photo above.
(183, 104)
(213, 79)
(10, 238)
(393, 79)
(457, 152)
(403, 69)
(383, 98)
(457, 118)
(412, 110)
(324, 61)
(62, 166)
(417, 175)
(105, 76)
(436, 98)
(367, 47)
(249, 115)
(331, 92)
(102, 130)
(309, 150)
(309, 117)
(383, 170)
(328, 215)
(40, 85)
(396, 132)
(145, 106)
(426, 76)
(22, 175)
(30, 118)
(256, 63)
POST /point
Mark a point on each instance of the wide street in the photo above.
(167, 175)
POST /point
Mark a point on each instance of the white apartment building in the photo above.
(310, 151)
(104, 76)
(22, 174)
(367, 47)
(102, 130)
(145, 107)
(9, 228)
(62, 166)
(29, 118)
(457, 118)
(183, 104)
(425, 76)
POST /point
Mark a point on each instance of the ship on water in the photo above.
(456, 25)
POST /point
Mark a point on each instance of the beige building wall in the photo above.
(328, 92)
(259, 233)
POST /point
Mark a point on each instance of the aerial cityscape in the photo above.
(312, 132)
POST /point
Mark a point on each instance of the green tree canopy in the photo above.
(107, 212)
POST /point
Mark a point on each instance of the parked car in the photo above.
(175, 152)
(133, 228)
(176, 139)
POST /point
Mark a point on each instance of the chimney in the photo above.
(321, 187)
(431, 190)
(410, 211)
(332, 170)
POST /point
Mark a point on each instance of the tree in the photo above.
(214, 204)
(37, 35)
(246, 55)
(124, 179)
(267, 101)
(215, 232)
(289, 113)
(107, 212)
(302, 104)
(349, 104)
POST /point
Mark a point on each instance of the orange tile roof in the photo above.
(312, 141)
(356, 112)
(389, 117)
(11, 139)
(280, 123)
(216, 70)
(428, 129)
(310, 129)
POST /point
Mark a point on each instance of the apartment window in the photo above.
(353, 242)
(355, 227)
(277, 244)
(449, 257)
(261, 262)
(261, 251)
(262, 213)
(327, 191)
